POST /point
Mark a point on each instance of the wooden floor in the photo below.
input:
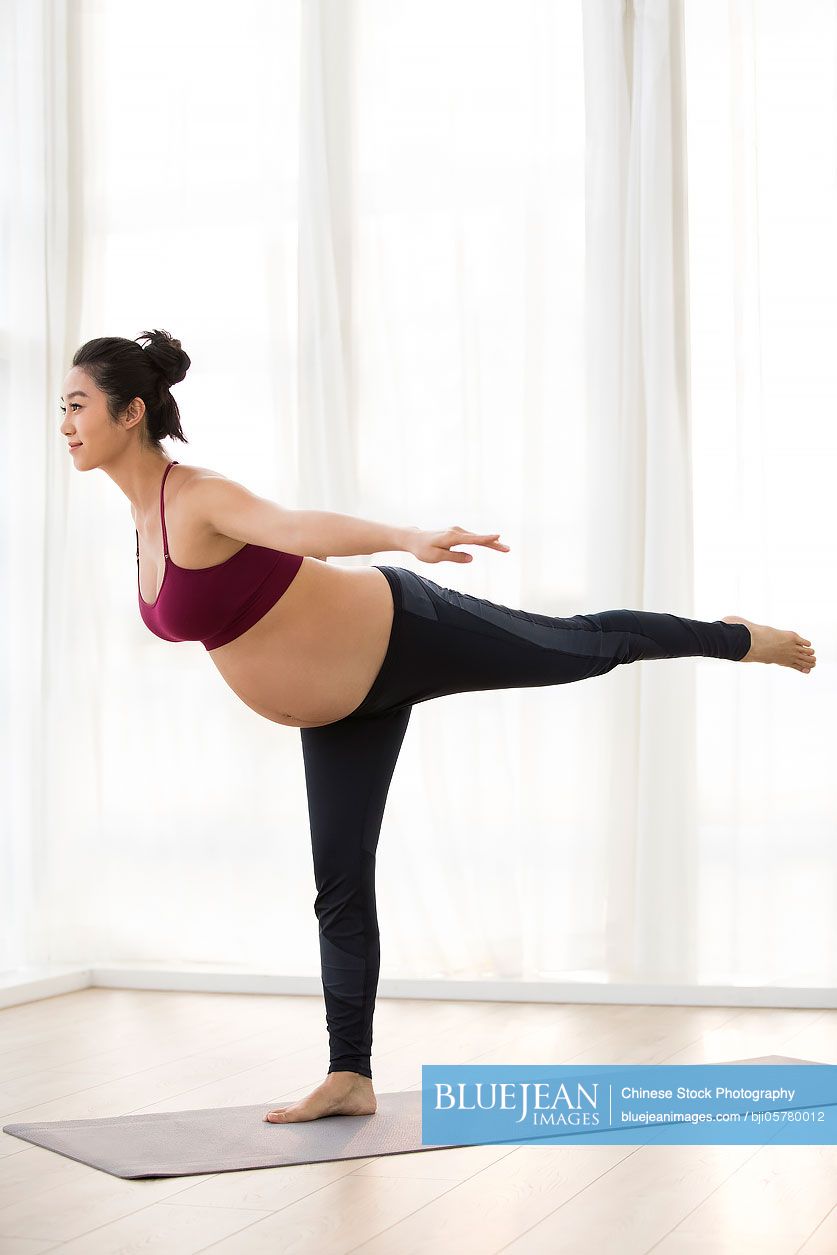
(103, 1052)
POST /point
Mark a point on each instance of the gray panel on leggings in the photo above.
(583, 642)
(342, 973)
(416, 597)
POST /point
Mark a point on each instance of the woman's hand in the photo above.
(436, 546)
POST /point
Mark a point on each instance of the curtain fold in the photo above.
(327, 447)
(35, 264)
(640, 476)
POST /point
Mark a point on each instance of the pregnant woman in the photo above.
(341, 653)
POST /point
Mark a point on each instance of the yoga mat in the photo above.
(228, 1139)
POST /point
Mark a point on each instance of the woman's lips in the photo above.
(74, 446)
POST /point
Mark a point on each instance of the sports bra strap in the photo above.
(163, 512)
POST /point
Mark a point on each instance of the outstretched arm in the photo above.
(232, 510)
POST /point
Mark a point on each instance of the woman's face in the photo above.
(86, 423)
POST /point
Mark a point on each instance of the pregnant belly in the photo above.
(313, 657)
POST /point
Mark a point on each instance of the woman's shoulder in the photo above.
(187, 491)
(181, 482)
(188, 473)
(193, 496)
(188, 480)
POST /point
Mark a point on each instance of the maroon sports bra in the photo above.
(214, 604)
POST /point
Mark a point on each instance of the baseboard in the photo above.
(30, 984)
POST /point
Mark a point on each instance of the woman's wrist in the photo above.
(406, 538)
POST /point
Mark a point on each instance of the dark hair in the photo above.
(122, 369)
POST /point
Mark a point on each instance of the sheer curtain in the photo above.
(762, 130)
(565, 271)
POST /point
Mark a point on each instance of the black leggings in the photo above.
(442, 641)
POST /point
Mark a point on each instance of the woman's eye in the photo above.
(73, 405)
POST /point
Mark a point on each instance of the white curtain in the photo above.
(762, 133)
(36, 296)
(566, 271)
(643, 817)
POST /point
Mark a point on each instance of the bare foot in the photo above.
(341, 1094)
(770, 644)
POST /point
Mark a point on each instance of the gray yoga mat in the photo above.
(228, 1139)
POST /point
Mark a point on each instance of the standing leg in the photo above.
(348, 769)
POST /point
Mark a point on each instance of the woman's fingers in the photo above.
(461, 556)
(475, 535)
(477, 538)
(492, 541)
(458, 536)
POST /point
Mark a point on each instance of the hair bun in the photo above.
(167, 355)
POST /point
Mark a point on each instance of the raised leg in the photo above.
(447, 642)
